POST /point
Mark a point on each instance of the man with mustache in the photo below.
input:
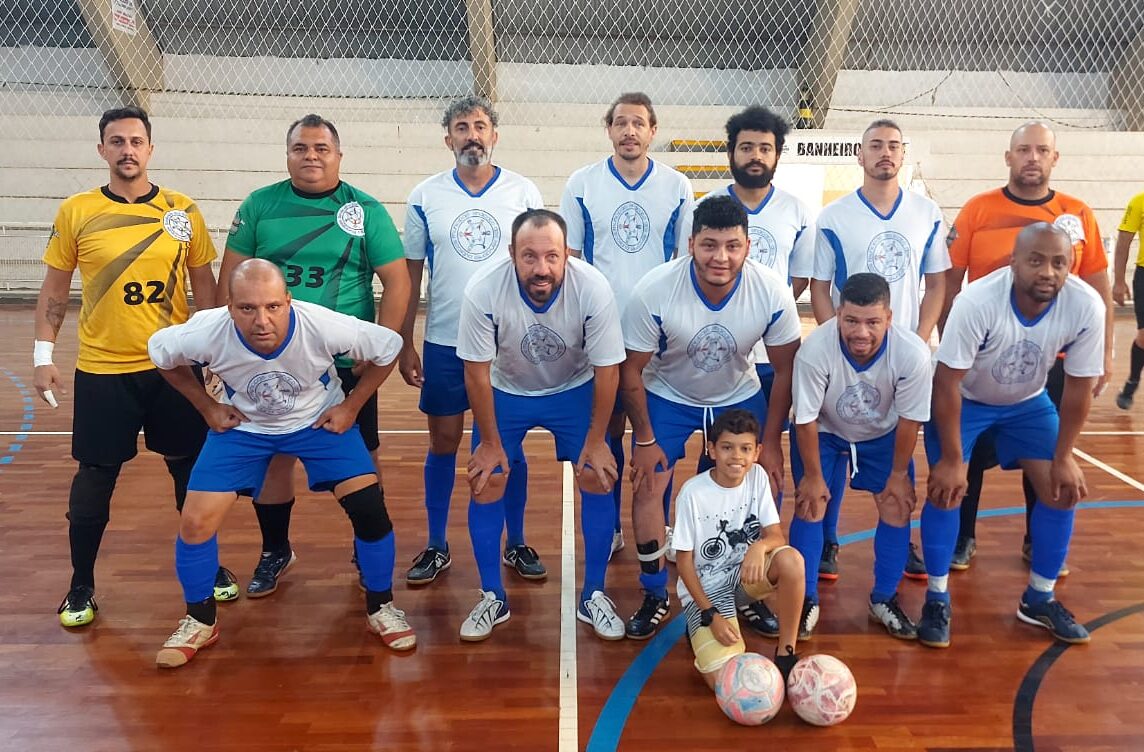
(136, 246)
(457, 223)
(891, 232)
(981, 241)
(1002, 337)
(625, 216)
(540, 337)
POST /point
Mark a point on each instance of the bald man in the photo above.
(980, 242)
(276, 359)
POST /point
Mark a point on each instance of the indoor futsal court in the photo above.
(298, 671)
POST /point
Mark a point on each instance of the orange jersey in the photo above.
(986, 228)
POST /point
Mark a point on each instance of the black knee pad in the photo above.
(180, 470)
(90, 500)
(367, 513)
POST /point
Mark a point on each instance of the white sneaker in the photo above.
(600, 612)
(668, 534)
(388, 622)
(190, 637)
(488, 612)
(617, 543)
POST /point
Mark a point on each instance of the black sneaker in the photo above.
(891, 616)
(915, 567)
(645, 621)
(760, 618)
(1124, 399)
(225, 585)
(78, 608)
(965, 550)
(933, 627)
(525, 561)
(271, 566)
(1056, 618)
(786, 662)
(428, 564)
(809, 619)
(828, 564)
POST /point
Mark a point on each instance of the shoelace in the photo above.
(185, 629)
(392, 617)
(650, 606)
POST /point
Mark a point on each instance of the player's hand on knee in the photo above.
(338, 419)
(597, 459)
(771, 458)
(1067, 482)
(222, 417)
(484, 462)
(46, 379)
(946, 483)
(409, 364)
(724, 631)
(897, 500)
(644, 464)
(810, 498)
(753, 569)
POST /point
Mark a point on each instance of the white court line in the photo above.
(569, 711)
(1110, 470)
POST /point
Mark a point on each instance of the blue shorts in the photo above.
(443, 392)
(237, 460)
(1024, 431)
(869, 462)
(673, 423)
(565, 414)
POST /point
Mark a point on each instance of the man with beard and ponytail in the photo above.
(625, 217)
(457, 223)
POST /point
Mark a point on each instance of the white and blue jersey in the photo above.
(626, 230)
(540, 350)
(288, 389)
(456, 232)
(860, 402)
(901, 247)
(701, 351)
(1008, 356)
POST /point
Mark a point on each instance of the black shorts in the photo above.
(1138, 295)
(367, 417)
(111, 408)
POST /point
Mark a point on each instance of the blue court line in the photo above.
(614, 715)
(28, 417)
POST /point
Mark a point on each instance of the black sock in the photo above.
(972, 499)
(274, 521)
(203, 611)
(1030, 502)
(85, 541)
(375, 599)
(1136, 363)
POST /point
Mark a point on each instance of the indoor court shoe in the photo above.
(525, 561)
(915, 567)
(933, 627)
(668, 537)
(1027, 556)
(428, 564)
(1124, 399)
(891, 616)
(78, 608)
(1056, 618)
(617, 543)
(786, 662)
(225, 585)
(809, 619)
(760, 618)
(828, 564)
(965, 550)
(191, 637)
(388, 622)
(600, 612)
(647, 618)
(489, 612)
(271, 566)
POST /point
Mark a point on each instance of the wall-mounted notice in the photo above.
(123, 16)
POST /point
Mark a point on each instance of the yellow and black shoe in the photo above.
(78, 608)
(225, 585)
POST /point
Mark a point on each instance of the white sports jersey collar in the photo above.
(872, 208)
(762, 204)
(481, 192)
(278, 350)
(703, 298)
(631, 186)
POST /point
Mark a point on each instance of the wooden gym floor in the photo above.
(298, 671)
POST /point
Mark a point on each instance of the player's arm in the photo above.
(1099, 281)
(596, 454)
(798, 286)
(898, 494)
(932, 304)
(778, 409)
(1120, 266)
(954, 278)
(396, 292)
(647, 454)
(51, 308)
(168, 353)
(573, 220)
(374, 347)
(812, 493)
(820, 302)
(203, 286)
(947, 478)
(1067, 479)
(230, 259)
(489, 454)
(410, 361)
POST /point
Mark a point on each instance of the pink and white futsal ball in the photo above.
(822, 690)
(749, 689)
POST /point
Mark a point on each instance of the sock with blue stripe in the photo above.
(836, 484)
(656, 584)
(596, 527)
(486, 523)
(1051, 530)
(891, 548)
(939, 536)
(376, 561)
(440, 473)
(196, 565)
(806, 538)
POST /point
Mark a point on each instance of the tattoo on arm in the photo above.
(55, 313)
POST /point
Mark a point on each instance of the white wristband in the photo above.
(42, 353)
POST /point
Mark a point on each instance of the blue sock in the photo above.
(616, 444)
(656, 584)
(1050, 530)
(196, 564)
(891, 548)
(596, 527)
(440, 472)
(515, 496)
(837, 487)
(806, 537)
(939, 536)
(486, 522)
(667, 500)
(376, 561)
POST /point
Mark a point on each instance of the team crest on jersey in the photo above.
(889, 255)
(858, 404)
(178, 225)
(764, 249)
(1071, 224)
(351, 218)
(541, 345)
(711, 348)
(236, 223)
(1019, 363)
(273, 393)
(631, 227)
(475, 235)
